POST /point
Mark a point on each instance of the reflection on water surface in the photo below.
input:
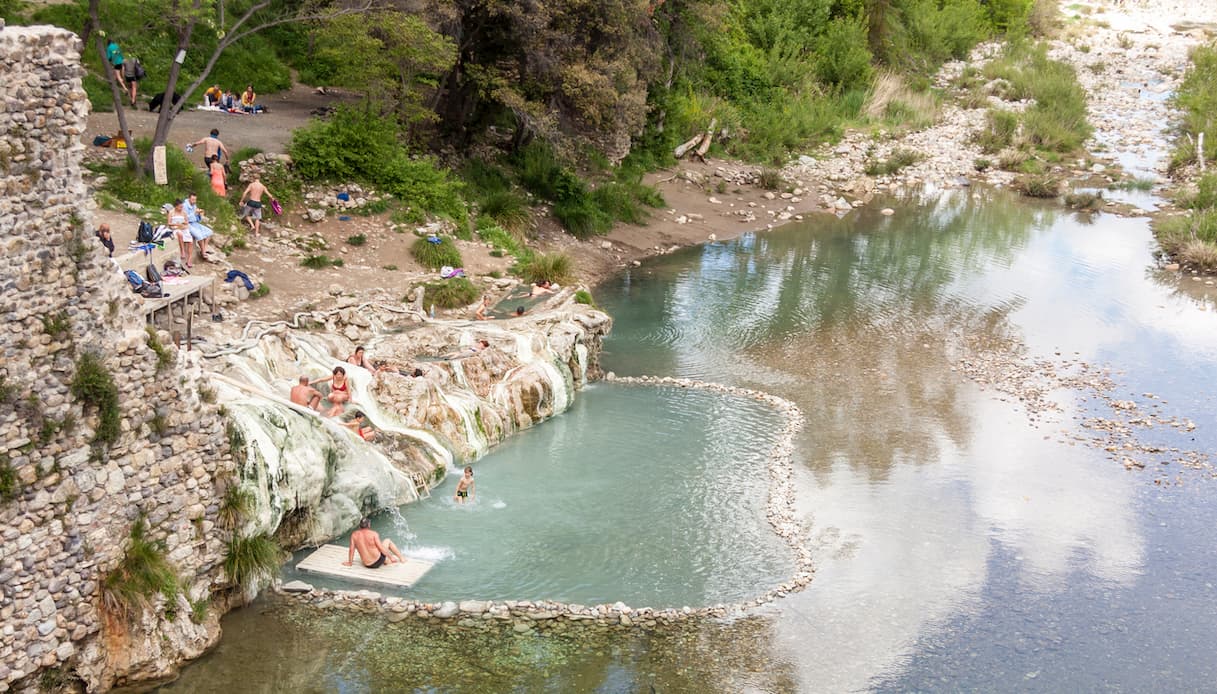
(961, 544)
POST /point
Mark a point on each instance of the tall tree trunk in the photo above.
(169, 109)
(115, 94)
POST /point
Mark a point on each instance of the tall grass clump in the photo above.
(1202, 197)
(901, 158)
(436, 255)
(452, 293)
(502, 239)
(555, 267)
(999, 131)
(251, 561)
(1196, 100)
(508, 210)
(143, 573)
(1038, 186)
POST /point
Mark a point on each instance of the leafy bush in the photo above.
(163, 356)
(10, 484)
(252, 560)
(843, 59)
(584, 297)
(436, 255)
(451, 293)
(360, 145)
(618, 202)
(998, 133)
(143, 573)
(357, 240)
(94, 387)
(542, 174)
(484, 179)
(555, 267)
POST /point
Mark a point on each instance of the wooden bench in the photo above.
(328, 561)
(159, 312)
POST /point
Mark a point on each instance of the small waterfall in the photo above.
(313, 478)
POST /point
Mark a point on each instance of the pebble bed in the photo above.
(528, 616)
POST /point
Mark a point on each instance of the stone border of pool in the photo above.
(526, 616)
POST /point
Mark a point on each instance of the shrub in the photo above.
(771, 179)
(94, 387)
(1084, 201)
(1196, 98)
(584, 297)
(618, 202)
(263, 288)
(357, 240)
(453, 293)
(501, 238)
(900, 159)
(1199, 254)
(57, 325)
(143, 573)
(252, 560)
(10, 484)
(1203, 197)
(555, 267)
(981, 164)
(236, 505)
(843, 59)
(507, 209)
(163, 356)
(436, 255)
(1011, 159)
(999, 130)
(543, 175)
(484, 179)
(319, 262)
(1038, 186)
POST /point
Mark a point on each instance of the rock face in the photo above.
(312, 478)
(80, 463)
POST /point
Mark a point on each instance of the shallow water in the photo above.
(651, 496)
(960, 544)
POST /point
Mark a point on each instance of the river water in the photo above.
(962, 541)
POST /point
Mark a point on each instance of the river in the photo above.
(965, 538)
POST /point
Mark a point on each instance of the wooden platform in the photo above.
(181, 296)
(327, 561)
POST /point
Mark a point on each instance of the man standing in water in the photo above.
(369, 545)
(464, 488)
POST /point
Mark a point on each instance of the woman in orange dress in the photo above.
(218, 184)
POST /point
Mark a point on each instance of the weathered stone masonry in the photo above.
(67, 505)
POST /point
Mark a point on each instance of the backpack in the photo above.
(140, 73)
(154, 277)
(146, 233)
(152, 290)
(137, 282)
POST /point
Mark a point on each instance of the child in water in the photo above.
(464, 488)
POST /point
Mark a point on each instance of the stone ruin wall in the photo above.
(67, 505)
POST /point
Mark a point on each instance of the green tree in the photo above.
(394, 58)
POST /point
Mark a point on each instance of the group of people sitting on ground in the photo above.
(232, 102)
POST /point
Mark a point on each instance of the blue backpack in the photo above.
(137, 282)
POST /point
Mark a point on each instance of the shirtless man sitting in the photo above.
(370, 547)
(306, 395)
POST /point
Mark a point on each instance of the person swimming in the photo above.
(542, 287)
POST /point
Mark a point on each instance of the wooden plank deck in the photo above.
(327, 561)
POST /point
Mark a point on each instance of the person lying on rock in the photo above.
(340, 390)
(359, 425)
(373, 551)
(542, 287)
(306, 395)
